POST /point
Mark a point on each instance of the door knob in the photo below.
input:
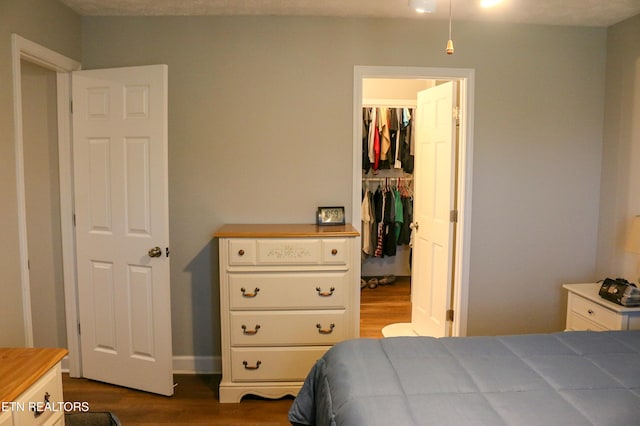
(155, 252)
(414, 225)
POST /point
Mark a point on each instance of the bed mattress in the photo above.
(571, 378)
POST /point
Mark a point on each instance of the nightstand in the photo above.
(586, 310)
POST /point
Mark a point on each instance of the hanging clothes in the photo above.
(399, 213)
(406, 138)
(371, 136)
(379, 201)
(368, 221)
(366, 123)
(387, 212)
(407, 215)
(387, 139)
(394, 127)
(389, 228)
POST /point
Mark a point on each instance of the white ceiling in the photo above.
(600, 13)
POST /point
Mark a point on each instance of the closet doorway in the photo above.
(397, 87)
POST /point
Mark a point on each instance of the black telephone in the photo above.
(620, 291)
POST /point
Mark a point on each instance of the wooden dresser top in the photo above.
(285, 231)
(22, 367)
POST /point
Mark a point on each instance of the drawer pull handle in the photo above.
(250, 367)
(250, 332)
(37, 413)
(325, 293)
(245, 294)
(590, 311)
(324, 330)
(334, 252)
(240, 252)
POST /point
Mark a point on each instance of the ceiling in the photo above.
(600, 13)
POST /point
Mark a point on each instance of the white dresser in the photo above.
(31, 387)
(586, 310)
(287, 294)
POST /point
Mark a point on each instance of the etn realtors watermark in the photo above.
(41, 407)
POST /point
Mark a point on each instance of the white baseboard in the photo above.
(182, 364)
(197, 364)
(64, 364)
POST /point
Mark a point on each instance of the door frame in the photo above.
(23, 49)
(466, 79)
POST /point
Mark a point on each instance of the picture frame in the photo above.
(327, 216)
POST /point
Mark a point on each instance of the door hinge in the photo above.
(74, 220)
(71, 107)
(456, 113)
(79, 333)
(453, 216)
(450, 315)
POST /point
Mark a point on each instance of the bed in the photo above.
(570, 378)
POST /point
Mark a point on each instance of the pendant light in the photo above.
(449, 48)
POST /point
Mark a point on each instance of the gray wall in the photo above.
(620, 195)
(58, 28)
(260, 131)
(42, 199)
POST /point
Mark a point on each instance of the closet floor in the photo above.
(384, 305)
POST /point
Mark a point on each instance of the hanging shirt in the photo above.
(372, 130)
(385, 138)
(379, 200)
(399, 213)
(397, 164)
(367, 220)
(376, 148)
(366, 123)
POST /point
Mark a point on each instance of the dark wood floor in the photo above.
(195, 401)
(384, 305)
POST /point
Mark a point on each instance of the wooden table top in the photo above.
(22, 367)
(285, 231)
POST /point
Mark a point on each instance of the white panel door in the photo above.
(122, 226)
(434, 199)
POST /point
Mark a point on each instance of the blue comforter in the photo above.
(572, 378)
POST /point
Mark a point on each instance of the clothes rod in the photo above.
(386, 177)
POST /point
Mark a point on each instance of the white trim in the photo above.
(197, 365)
(16, 54)
(180, 365)
(466, 77)
(23, 49)
(465, 179)
(67, 208)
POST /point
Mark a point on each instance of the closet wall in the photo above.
(389, 93)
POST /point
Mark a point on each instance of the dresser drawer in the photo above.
(335, 251)
(289, 251)
(313, 290)
(47, 388)
(273, 364)
(287, 328)
(242, 252)
(576, 322)
(595, 313)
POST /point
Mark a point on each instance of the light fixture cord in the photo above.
(449, 48)
(449, 19)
